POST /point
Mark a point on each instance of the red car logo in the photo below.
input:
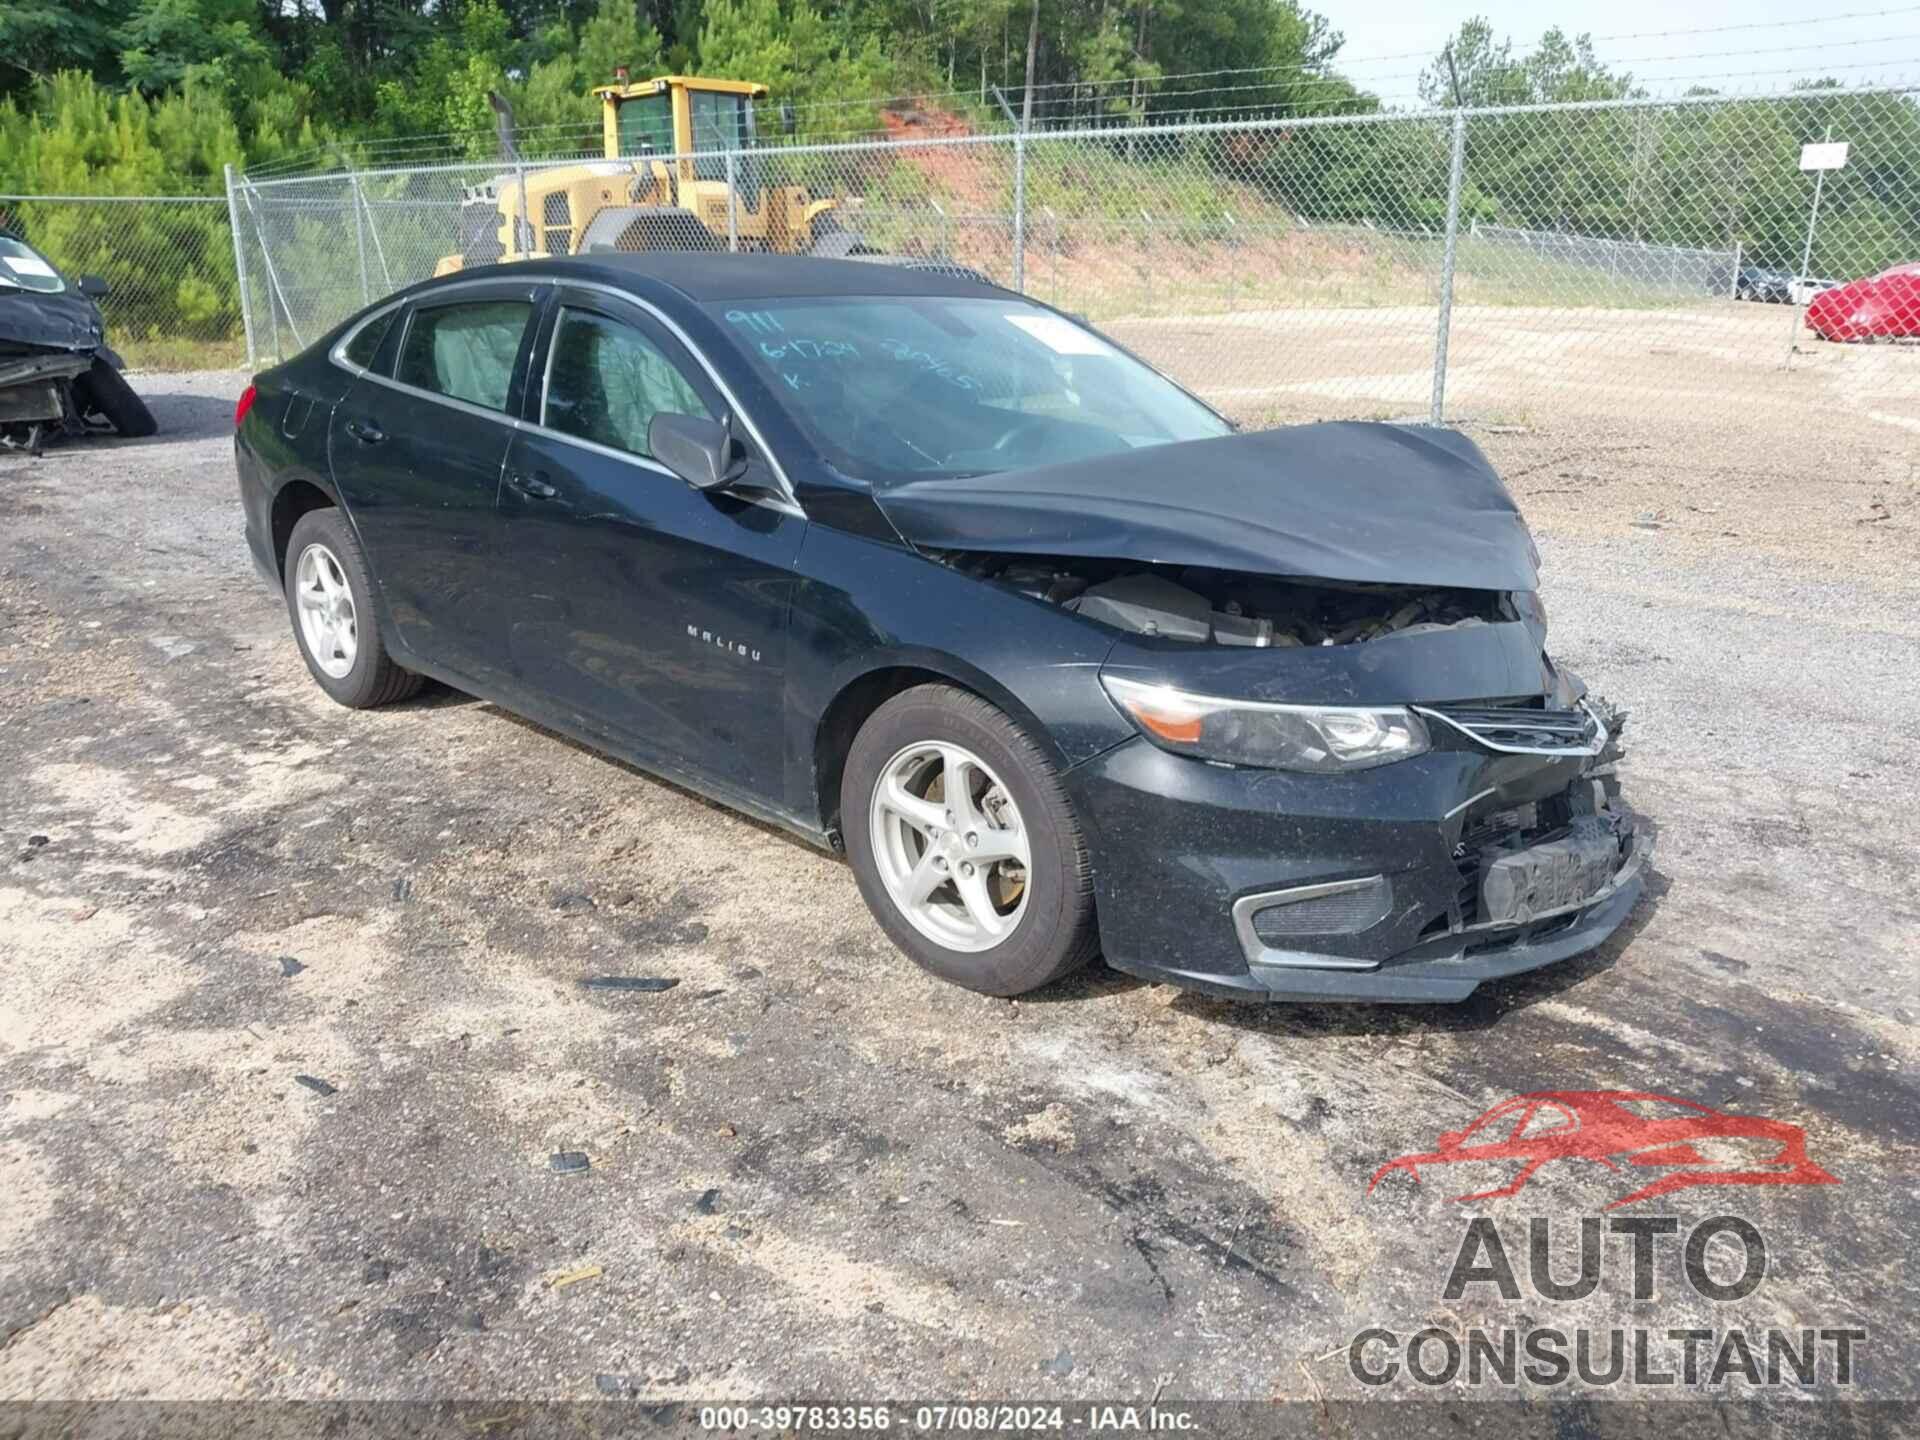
(1695, 1145)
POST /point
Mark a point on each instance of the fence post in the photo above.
(1146, 255)
(274, 288)
(1020, 211)
(1448, 256)
(240, 270)
(733, 206)
(523, 232)
(379, 249)
(1733, 280)
(1233, 256)
(359, 237)
(1806, 261)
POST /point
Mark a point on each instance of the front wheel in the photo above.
(104, 390)
(965, 844)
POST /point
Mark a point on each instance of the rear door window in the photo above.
(607, 379)
(465, 351)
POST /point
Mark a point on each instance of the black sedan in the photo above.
(927, 572)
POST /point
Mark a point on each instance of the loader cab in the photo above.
(693, 117)
(684, 115)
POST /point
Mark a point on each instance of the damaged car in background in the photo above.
(57, 375)
(938, 577)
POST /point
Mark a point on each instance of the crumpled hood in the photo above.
(1389, 504)
(67, 321)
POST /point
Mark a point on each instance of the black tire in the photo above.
(1055, 934)
(374, 678)
(105, 390)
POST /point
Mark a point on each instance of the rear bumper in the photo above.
(256, 508)
(1185, 855)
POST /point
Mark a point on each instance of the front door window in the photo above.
(607, 381)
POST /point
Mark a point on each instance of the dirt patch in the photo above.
(189, 1350)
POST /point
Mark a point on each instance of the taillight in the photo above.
(247, 397)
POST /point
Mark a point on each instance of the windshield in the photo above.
(904, 388)
(646, 125)
(21, 266)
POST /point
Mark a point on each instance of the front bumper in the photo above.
(1184, 854)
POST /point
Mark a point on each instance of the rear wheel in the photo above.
(965, 844)
(330, 600)
(103, 389)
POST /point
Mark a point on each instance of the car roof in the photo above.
(724, 276)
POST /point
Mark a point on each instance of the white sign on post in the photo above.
(1829, 156)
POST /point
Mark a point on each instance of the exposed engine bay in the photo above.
(1221, 607)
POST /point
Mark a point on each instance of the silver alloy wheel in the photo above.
(950, 846)
(328, 624)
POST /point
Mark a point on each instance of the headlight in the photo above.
(1322, 739)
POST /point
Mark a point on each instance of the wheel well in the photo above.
(296, 498)
(845, 716)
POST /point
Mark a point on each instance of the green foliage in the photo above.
(554, 106)
(215, 42)
(40, 37)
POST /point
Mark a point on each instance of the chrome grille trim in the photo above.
(1519, 731)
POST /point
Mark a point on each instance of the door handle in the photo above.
(366, 432)
(534, 486)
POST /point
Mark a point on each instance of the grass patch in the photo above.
(176, 352)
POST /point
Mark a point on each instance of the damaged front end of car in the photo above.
(1356, 757)
(58, 376)
(36, 394)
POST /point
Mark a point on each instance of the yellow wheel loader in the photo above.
(664, 185)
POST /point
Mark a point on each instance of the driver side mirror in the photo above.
(93, 287)
(700, 451)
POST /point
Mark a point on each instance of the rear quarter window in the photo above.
(364, 344)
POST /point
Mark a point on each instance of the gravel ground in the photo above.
(813, 1170)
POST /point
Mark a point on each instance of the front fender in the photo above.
(864, 605)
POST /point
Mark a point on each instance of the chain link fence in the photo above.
(168, 260)
(1491, 265)
(1604, 264)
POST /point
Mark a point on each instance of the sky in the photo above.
(1667, 46)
